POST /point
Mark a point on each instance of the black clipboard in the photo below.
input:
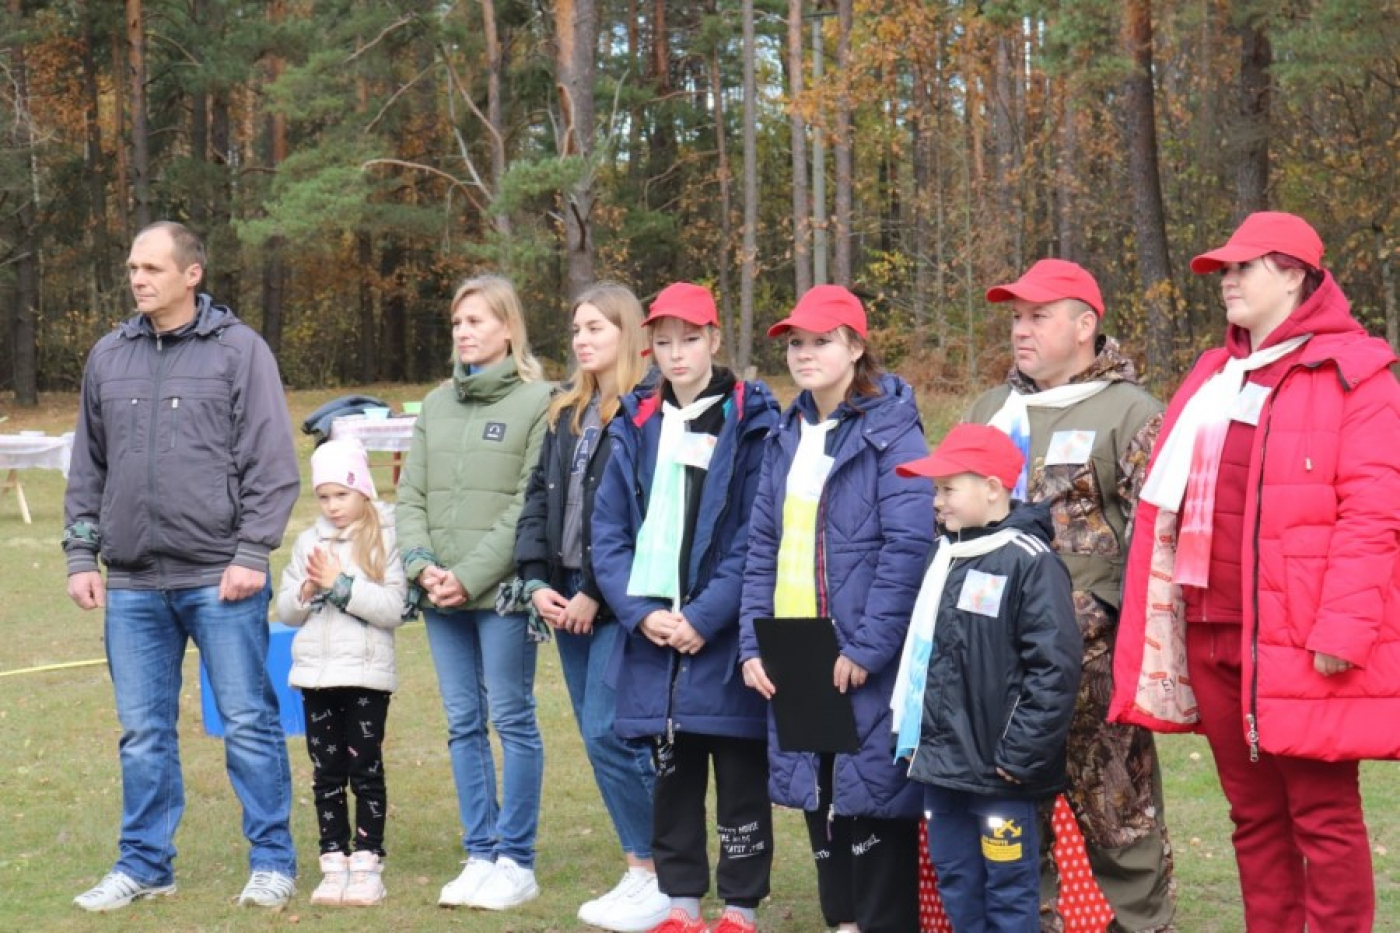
(811, 714)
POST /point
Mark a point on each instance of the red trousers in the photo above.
(1300, 838)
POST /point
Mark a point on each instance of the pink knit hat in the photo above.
(345, 464)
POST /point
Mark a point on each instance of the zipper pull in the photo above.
(831, 811)
(1252, 735)
(174, 404)
(670, 731)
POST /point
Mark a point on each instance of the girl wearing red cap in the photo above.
(670, 532)
(1261, 602)
(836, 533)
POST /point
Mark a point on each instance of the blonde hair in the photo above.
(620, 307)
(366, 537)
(501, 298)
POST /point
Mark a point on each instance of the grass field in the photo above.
(60, 785)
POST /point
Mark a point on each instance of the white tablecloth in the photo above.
(22, 452)
(394, 434)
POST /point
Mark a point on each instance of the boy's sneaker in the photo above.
(267, 889)
(731, 921)
(510, 885)
(366, 886)
(334, 875)
(678, 921)
(460, 890)
(636, 905)
(118, 889)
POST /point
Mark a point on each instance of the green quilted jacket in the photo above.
(463, 483)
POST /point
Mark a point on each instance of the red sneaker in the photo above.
(678, 921)
(731, 921)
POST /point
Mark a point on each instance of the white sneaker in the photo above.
(366, 885)
(634, 906)
(118, 889)
(267, 889)
(335, 867)
(459, 891)
(510, 885)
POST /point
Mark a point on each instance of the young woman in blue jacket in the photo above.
(670, 532)
(836, 533)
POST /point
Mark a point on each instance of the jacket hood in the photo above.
(1110, 365)
(890, 413)
(1031, 518)
(644, 401)
(486, 385)
(209, 318)
(1337, 337)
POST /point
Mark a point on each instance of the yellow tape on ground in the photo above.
(45, 668)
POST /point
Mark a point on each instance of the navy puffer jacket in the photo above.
(700, 693)
(875, 531)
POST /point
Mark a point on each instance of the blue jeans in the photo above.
(986, 851)
(486, 666)
(147, 632)
(622, 768)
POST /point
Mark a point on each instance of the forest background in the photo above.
(350, 161)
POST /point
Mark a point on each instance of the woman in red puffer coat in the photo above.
(1261, 602)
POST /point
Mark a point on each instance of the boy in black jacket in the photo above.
(986, 686)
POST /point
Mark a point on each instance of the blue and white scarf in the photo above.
(1013, 418)
(907, 700)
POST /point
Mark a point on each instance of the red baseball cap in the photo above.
(691, 303)
(1052, 280)
(1263, 233)
(824, 308)
(971, 448)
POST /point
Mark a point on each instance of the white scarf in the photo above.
(1013, 418)
(1212, 403)
(656, 558)
(907, 700)
(1186, 471)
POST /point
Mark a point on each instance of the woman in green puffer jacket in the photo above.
(474, 445)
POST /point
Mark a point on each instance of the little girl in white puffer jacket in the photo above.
(345, 589)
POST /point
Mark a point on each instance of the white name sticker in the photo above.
(696, 449)
(982, 593)
(1249, 403)
(1072, 447)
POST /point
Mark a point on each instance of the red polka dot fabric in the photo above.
(1081, 902)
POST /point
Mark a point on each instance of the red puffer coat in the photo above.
(1320, 555)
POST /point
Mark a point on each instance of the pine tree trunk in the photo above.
(1251, 130)
(797, 131)
(726, 221)
(140, 130)
(1149, 214)
(104, 261)
(842, 271)
(576, 29)
(495, 70)
(748, 260)
(24, 342)
(274, 273)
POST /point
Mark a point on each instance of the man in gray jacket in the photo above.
(183, 477)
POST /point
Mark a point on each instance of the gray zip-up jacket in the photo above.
(183, 460)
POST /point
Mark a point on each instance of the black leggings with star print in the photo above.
(344, 736)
